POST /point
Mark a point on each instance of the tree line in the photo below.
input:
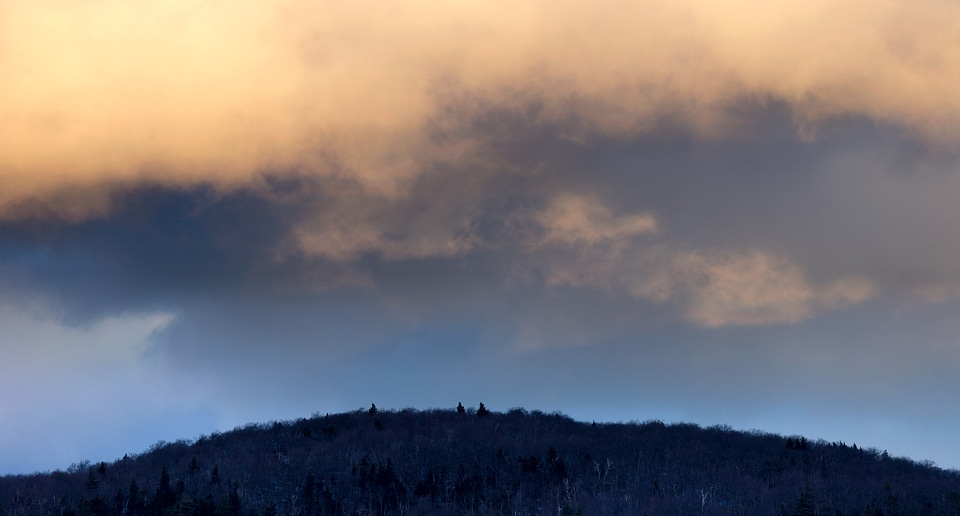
(477, 461)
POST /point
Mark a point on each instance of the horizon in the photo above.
(740, 214)
(470, 410)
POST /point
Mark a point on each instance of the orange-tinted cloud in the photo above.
(710, 288)
(102, 93)
(757, 288)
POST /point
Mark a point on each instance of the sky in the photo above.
(720, 212)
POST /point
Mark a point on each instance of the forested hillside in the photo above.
(468, 461)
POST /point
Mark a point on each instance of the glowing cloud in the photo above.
(756, 288)
(578, 220)
(586, 246)
(104, 93)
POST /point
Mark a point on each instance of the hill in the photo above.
(481, 462)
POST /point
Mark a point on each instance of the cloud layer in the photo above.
(105, 93)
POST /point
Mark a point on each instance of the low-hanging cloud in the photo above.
(755, 288)
(573, 220)
(711, 288)
(103, 94)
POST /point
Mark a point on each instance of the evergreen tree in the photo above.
(805, 505)
(134, 501)
(482, 411)
(233, 502)
(92, 483)
(310, 494)
(207, 507)
(119, 502)
(165, 495)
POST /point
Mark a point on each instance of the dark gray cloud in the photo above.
(647, 215)
(159, 247)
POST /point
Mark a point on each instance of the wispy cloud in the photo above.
(754, 288)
